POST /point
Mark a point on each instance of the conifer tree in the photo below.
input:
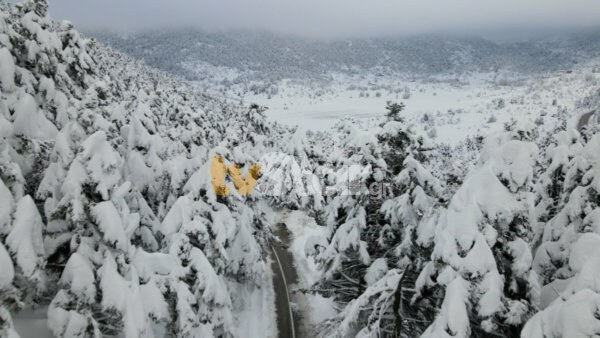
(482, 253)
(577, 214)
(405, 195)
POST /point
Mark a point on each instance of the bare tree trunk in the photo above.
(397, 306)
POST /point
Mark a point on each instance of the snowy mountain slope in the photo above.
(108, 217)
(271, 57)
(462, 85)
(454, 103)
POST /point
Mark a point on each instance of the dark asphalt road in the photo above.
(284, 275)
(584, 120)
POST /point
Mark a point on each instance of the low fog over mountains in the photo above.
(274, 57)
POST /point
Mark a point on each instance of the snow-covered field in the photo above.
(450, 109)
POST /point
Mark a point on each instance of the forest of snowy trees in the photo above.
(108, 217)
(511, 249)
(507, 247)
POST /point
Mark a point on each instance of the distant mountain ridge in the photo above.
(273, 57)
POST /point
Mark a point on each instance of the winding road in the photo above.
(284, 275)
(584, 120)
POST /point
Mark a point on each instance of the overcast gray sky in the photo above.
(330, 18)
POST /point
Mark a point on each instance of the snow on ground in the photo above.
(32, 323)
(303, 227)
(255, 308)
(313, 307)
(255, 316)
(468, 105)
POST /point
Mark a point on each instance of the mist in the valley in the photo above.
(336, 18)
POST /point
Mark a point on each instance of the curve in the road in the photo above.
(584, 120)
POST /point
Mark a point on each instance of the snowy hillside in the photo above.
(108, 219)
(453, 86)
(270, 57)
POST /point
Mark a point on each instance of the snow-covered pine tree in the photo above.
(287, 184)
(27, 51)
(9, 296)
(24, 242)
(92, 230)
(344, 255)
(550, 185)
(394, 111)
(215, 239)
(405, 192)
(411, 216)
(410, 190)
(452, 163)
(578, 214)
(288, 177)
(573, 312)
(199, 301)
(482, 253)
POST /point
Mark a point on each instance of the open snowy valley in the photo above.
(446, 110)
(460, 87)
(185, 183)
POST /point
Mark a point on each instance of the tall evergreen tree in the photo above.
(482, 253)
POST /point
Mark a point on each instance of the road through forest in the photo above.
(284, 275)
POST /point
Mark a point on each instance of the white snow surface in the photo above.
(467, 105)
(255, 309)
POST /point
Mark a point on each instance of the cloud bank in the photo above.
(330, 18)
